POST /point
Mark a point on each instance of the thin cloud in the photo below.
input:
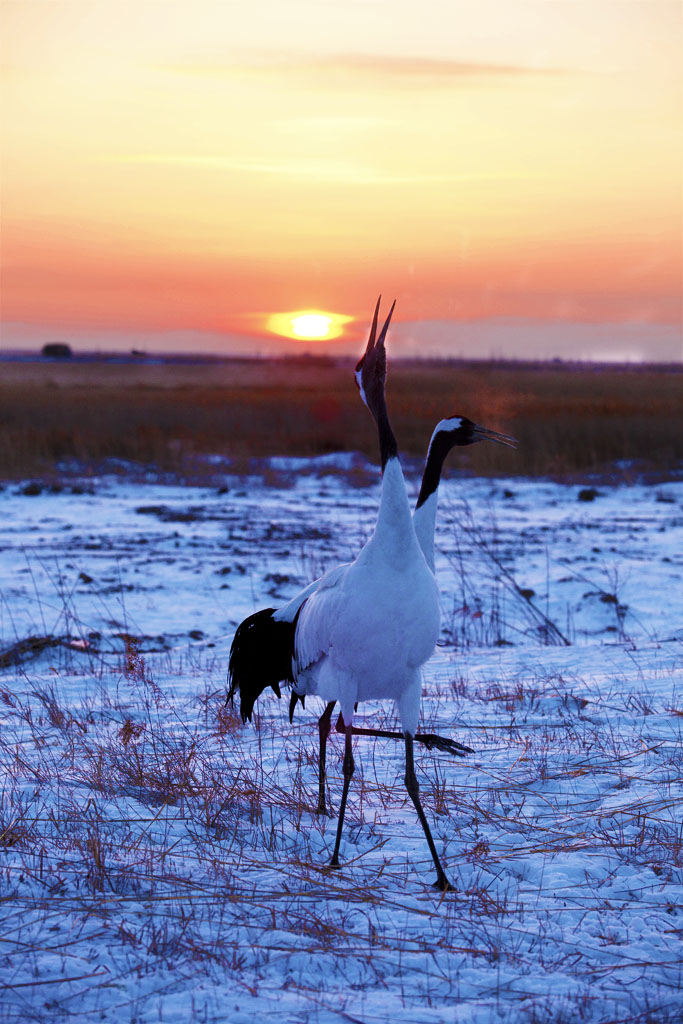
(371, 65)
(414, 67)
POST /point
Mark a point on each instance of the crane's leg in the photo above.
(429, 739)
(348, 772)
(441, 882)
(324, 730)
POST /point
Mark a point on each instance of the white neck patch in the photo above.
(359, 382)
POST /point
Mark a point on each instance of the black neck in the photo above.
(431, 477)
(388, 448)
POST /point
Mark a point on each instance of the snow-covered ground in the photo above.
(159, 861)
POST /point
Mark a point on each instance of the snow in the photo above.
(159, 861)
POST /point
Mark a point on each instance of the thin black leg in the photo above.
(430, 739)
(441, 882)
(324, 730)
(348, 772)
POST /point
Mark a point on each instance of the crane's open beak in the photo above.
(484, 434)
(373, 340)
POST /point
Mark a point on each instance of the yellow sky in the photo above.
(200, 165)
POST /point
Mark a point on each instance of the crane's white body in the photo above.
(367, 628)
(424, 523)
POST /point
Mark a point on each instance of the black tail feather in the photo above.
(260, 656)
(293, 701)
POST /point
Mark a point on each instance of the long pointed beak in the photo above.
(373, 340)
(383, 333)
(484, 434)
(373, 330)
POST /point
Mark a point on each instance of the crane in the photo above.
(364, 630)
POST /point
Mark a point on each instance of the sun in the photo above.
(308, 324)
(312, 325)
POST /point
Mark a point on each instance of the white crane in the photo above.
(363, 631)
(454, 431)
(263, 646)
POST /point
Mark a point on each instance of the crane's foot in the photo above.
(433, 742)
(334, 863)
(322, 809)
(443, 885)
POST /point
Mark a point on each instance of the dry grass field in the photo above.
(570, 420)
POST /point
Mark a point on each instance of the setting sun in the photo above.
(312, 325)
(308, 324)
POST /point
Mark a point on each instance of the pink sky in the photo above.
(174, 173)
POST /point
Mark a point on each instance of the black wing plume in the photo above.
(260, 656)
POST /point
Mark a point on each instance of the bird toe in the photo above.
(443, 885)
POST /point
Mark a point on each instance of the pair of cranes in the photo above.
(364, 630)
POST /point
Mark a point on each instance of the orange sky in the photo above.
(196, 166)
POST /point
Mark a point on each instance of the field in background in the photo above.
(570, 420)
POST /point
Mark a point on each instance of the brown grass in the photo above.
(141, 838)
(569, 420)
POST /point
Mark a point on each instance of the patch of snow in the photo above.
(162, 862)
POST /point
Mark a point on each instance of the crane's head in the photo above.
(458, 430)
(371, 369)
(449, 433)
